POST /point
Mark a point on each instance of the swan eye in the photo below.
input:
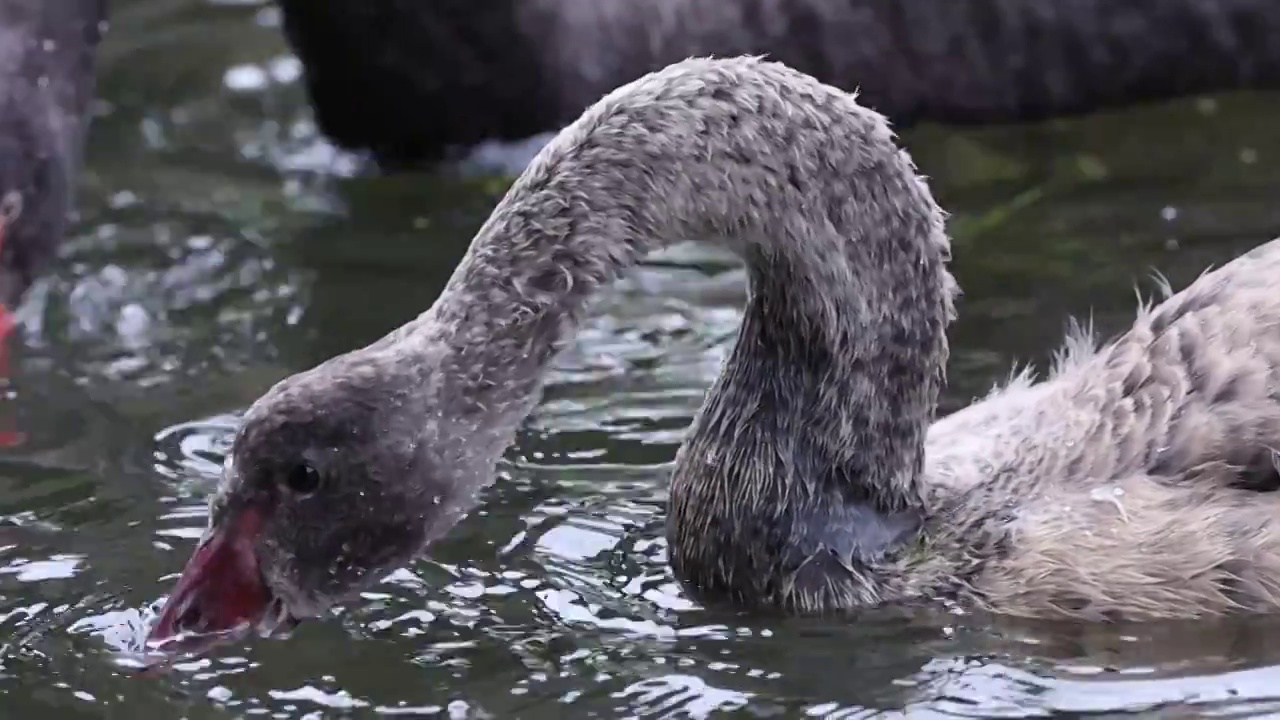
(303, 479)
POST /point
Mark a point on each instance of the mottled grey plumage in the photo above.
(47, 52)
(1134, 482)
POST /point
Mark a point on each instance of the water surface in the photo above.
(222, 245)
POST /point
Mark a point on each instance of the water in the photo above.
(223, 246)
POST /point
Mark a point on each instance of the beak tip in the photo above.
(220, 589)
(160, 633)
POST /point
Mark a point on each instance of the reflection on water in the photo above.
(222, 245)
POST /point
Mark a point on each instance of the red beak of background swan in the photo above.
(221, 589)
(9, 436)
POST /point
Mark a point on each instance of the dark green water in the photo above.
(223, 245)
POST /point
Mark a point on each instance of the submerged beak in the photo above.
(221, 590)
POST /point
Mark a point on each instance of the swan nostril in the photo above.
(190, 620)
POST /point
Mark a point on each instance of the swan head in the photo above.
(331, 483)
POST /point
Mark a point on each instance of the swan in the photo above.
(1135, 482)
(47, 58)
(406, 81)
(46, 83)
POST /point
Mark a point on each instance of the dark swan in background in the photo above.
(46, 84)
(47, 50)
(1135, 482)
(406, 80)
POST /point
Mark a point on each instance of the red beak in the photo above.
(8, 437)
(221, 588)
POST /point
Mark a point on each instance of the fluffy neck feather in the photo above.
(836, 372)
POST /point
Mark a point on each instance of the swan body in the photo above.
(1136, 482)
(1139, 479)
(407, 80)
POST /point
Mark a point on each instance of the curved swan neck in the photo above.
(845, 245)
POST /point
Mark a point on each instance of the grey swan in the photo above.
(406, 81)
(1135, 482)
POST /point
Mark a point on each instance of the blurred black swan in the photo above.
(407, 80)
(47, 50)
